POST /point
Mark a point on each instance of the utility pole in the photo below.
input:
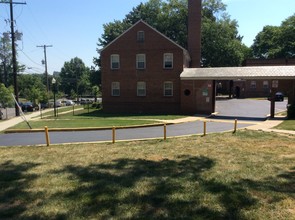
(14, 63)
(45, 60)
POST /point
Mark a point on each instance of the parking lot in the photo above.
(247, 108)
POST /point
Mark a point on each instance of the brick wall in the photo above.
(154, 75)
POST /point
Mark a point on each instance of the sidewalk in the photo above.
(5, 124)
(268, 126)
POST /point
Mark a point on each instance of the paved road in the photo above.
(188, 128)
(247, 108)
(243, 109)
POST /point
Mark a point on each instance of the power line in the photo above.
(45, 61)
(14, 63)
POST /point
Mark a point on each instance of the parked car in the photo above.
(58, 104)
(279, 97)
(28, 107)
(69, 103)
(44, 105)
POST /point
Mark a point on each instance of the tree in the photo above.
(276, 41)
(32, 88)
(266, 43)
(75, 76)
(5, 96)
(95, 91)
(5, 58)
(221, 44)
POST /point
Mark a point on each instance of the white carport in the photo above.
(198, 84)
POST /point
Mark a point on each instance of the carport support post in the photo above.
(272, 107)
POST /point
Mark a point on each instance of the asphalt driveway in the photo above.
(248, 109)
(243, 109)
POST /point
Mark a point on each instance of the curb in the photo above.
(11, 131)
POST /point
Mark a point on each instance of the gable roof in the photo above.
(231, 73)
(143, 22)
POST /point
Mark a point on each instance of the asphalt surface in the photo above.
(188, 128)
(244, 110)
(247, 108)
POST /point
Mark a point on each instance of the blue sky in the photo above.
(73, 27)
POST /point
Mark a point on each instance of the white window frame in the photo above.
(168, 88)
(168, 61)
(141, 88)
(115, 59)
(140, 61)
(253, 84)
(265, 84)
(140, 36)
(116, 89)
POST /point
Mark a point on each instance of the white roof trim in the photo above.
(231, 73)
(141, 21)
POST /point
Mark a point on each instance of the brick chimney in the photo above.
(194, 32)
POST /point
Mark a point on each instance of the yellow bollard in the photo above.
(114, 135)
(205, 128)
(47, 136)
(165, 132)
(235, 126)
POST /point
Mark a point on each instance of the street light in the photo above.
(54, 91)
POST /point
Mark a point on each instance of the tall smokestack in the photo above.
(194, 32)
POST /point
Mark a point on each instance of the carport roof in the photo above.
(232, 73)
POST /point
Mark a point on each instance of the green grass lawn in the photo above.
(91, 118)
(249, 175)
(287, 125)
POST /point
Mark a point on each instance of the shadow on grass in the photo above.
(14, 182)
(154, 188)
(99, 113)
(148, 189)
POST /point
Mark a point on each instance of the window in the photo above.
(168, 89)
(140, 61)
(140, 36)
(115, 61)
(253, 85)
(168, 60)
(115, 89)
(141, 89)
(265, 85)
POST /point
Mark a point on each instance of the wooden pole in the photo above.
(235, 126)
(47, 136)
(114, 135)
(165, 132)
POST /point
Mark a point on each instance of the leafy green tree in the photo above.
(221, 43)
(95, 92)
(5, 96)
(75, 76)
(288, 37)
(276, 41)
(267, 43)
(31, 87)
(5, 58)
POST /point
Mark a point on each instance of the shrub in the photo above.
(96, 105)
(291, 111)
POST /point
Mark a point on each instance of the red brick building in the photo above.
(143, 71)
